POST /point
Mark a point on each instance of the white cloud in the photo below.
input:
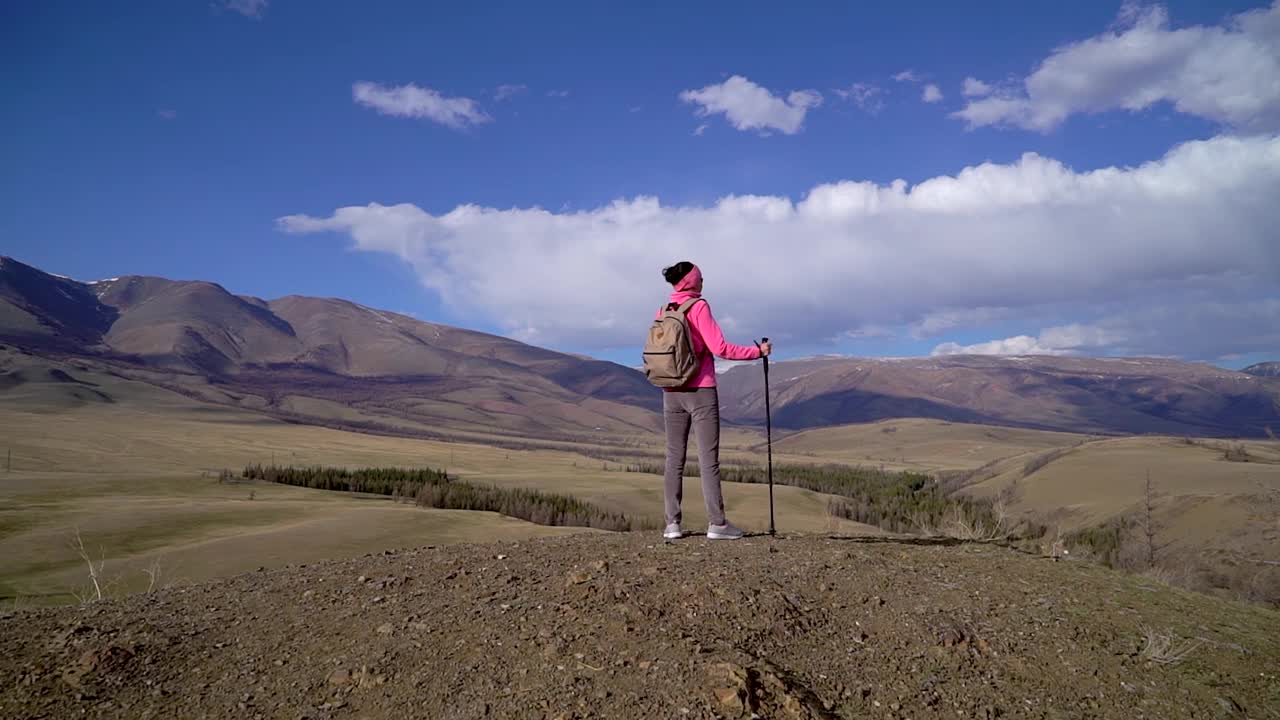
(506, 92)
(1017, 345)
(1198, 223)
(1229, 74)
(412, 101)
(248, 8)
(558, 93)
(167, 114)
(1178, 327)
(867, 96)
(700, 129)
(932, 93)
(907, 76)
(1222, 324)
(974, 87)
(1070, 339)
(749, 106)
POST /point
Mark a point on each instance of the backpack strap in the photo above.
(687, 305)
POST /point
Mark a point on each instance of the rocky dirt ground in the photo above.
(629, 626)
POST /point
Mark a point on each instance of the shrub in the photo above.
(1235, 453)
(1104, 542)
(1043, 459)
(434, 488)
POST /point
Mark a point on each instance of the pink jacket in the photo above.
(708, 340)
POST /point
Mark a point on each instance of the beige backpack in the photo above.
(669, 361)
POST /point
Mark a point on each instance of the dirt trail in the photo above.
(628, 626)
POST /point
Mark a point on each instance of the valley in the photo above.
(129, 403)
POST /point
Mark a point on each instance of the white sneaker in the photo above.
(723, 532)
(673, 532)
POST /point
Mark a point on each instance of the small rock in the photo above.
(577, 577)
(600, 565)
(386, 629)
(362, 579)
(1230, 706)
(731, 671)
(308, 594)
(950, 637)
(729, 699)
(340, 677)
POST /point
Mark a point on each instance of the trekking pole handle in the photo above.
(758, 347)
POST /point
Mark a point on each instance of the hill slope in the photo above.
(1263, 369)
(622, 626)
(1087, 395)
(49, 310)
(317, 359)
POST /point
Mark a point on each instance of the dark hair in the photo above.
(676, 273)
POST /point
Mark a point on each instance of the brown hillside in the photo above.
(1264, 369)
(627, 626)
(320, 360)
(1087, 395)
(47, 310)
(194, 325)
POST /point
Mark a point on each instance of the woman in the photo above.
(697, 404)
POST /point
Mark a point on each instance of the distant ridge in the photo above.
(271, 354)
(334, 362)
(1264, 369)
(1077, 394)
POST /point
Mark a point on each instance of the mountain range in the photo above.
(318, 358)
(335, 362)
(1077, 394)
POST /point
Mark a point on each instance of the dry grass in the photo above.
(919, 444)
(153, 492)
(1164, 648)
(139, 478)
(963, 525)
(1104, 479)
(96, 575)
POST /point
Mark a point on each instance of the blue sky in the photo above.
(219, 141)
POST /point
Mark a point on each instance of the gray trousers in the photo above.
(700, 409)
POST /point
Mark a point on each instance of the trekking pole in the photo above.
(768, 430)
